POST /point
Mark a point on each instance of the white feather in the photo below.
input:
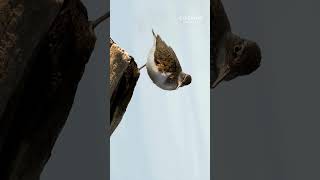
(156, 76)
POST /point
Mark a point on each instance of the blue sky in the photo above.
(164, 135)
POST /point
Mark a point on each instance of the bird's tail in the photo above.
(154, 34)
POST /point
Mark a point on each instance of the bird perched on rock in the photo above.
(231, 56)
(164, 68)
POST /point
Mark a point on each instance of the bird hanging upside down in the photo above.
(164, 68)
(231, 56)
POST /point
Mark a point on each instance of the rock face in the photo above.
(124, 75)
(44, 47)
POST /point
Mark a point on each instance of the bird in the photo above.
(230, 55)
(163, 66)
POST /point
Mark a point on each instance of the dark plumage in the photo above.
(231, 56)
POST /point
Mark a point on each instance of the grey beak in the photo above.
(179, 84)
(222, 74)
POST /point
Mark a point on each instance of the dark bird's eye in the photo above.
(237, 49)
(236, 54)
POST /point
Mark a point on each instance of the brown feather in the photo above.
(165, 58)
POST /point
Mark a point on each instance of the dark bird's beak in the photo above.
(222, 74)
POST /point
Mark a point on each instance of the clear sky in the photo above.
(164, 135)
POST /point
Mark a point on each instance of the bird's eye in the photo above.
(237, 49)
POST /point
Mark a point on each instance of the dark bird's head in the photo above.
(184, 79)
(236, 57)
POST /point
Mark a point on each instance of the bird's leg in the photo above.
(142, 67)
(96, 22)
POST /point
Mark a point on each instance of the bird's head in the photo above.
(240, 57)
(184, 79)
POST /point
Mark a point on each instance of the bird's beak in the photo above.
(222, 74)
(180, 83)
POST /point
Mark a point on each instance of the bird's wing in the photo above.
(165, 58)
(219, 25)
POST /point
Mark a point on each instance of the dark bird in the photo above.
(164, 68)
(230, 55)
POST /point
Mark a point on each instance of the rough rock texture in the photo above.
(124, 75)
(44, 46)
